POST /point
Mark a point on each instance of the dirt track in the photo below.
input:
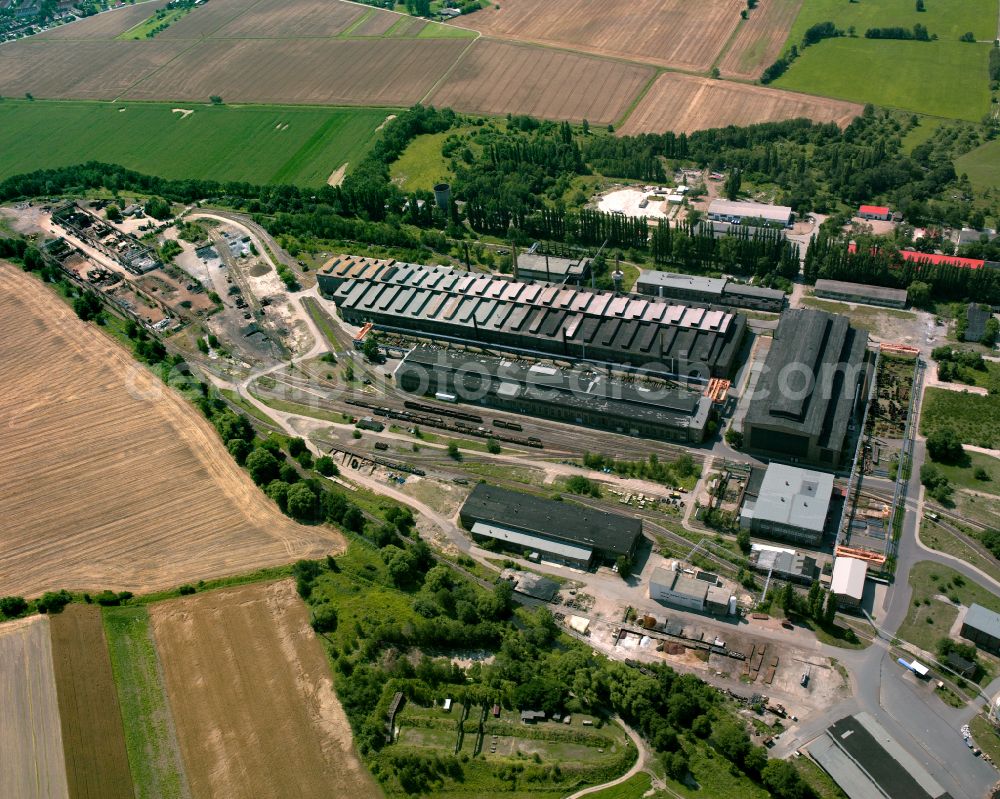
(252, 697)
(31, 750)
(93, 736)
(114, 481)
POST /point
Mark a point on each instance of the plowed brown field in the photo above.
(377, 23)
(671, 33)
(206, 20)
(683, 103)
(497, 77)
(283, 19)
(106, 25)
(89, 69)
(92, 732)
(327, 71)
(252, 697)
(31, 750)
(759, 40)
(110, 479)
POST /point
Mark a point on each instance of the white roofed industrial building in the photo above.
(792, 504)
(848, 581)
(736, 211)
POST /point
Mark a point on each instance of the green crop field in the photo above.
(948, 20)
(258, 144)
(943, 78)
(153, 753)
(982, 165)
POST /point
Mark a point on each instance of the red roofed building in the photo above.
(947, 260)
(881, 212)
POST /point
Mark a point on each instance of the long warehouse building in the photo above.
(577, 324)
(560, 532)
(574, 396)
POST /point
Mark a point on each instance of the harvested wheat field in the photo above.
(92, 733)
(683, 103)
(760, 38)
(292, 18)
(497, 77)
(391, 72)
(252, 697)
(670, 33)
(31, 750)
(89, 69)
(113, 480)
(106, 25)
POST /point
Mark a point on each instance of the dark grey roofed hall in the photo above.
(574, 396)
(861, 292)
(788, 420)
(608, 534)
(880, 764)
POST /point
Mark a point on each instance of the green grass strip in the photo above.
(153, 752)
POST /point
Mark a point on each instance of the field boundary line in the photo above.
(728, 44)
(185, 51)
(237, 15)
(357, 23)
(590, 52)
(447, 73)
(630, 108)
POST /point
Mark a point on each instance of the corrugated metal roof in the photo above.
(984, 620)
(508, 536)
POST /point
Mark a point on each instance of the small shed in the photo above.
(580, 624)
(957, 663)
(532, 716)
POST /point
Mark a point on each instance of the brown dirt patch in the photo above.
(93, 736)
(683, 103)
(31, 750)
(760, 38)
(671, 33)
(106, 25)
(497, 77)
(350, 72)
(292, 18)
(91, 69)
(113, 480)
(252, 696)
(337, 176)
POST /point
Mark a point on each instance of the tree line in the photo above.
(830, 256)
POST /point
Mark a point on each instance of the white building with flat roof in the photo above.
(792, 504)
(678, 588)
(736, 211)
(848, 581)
